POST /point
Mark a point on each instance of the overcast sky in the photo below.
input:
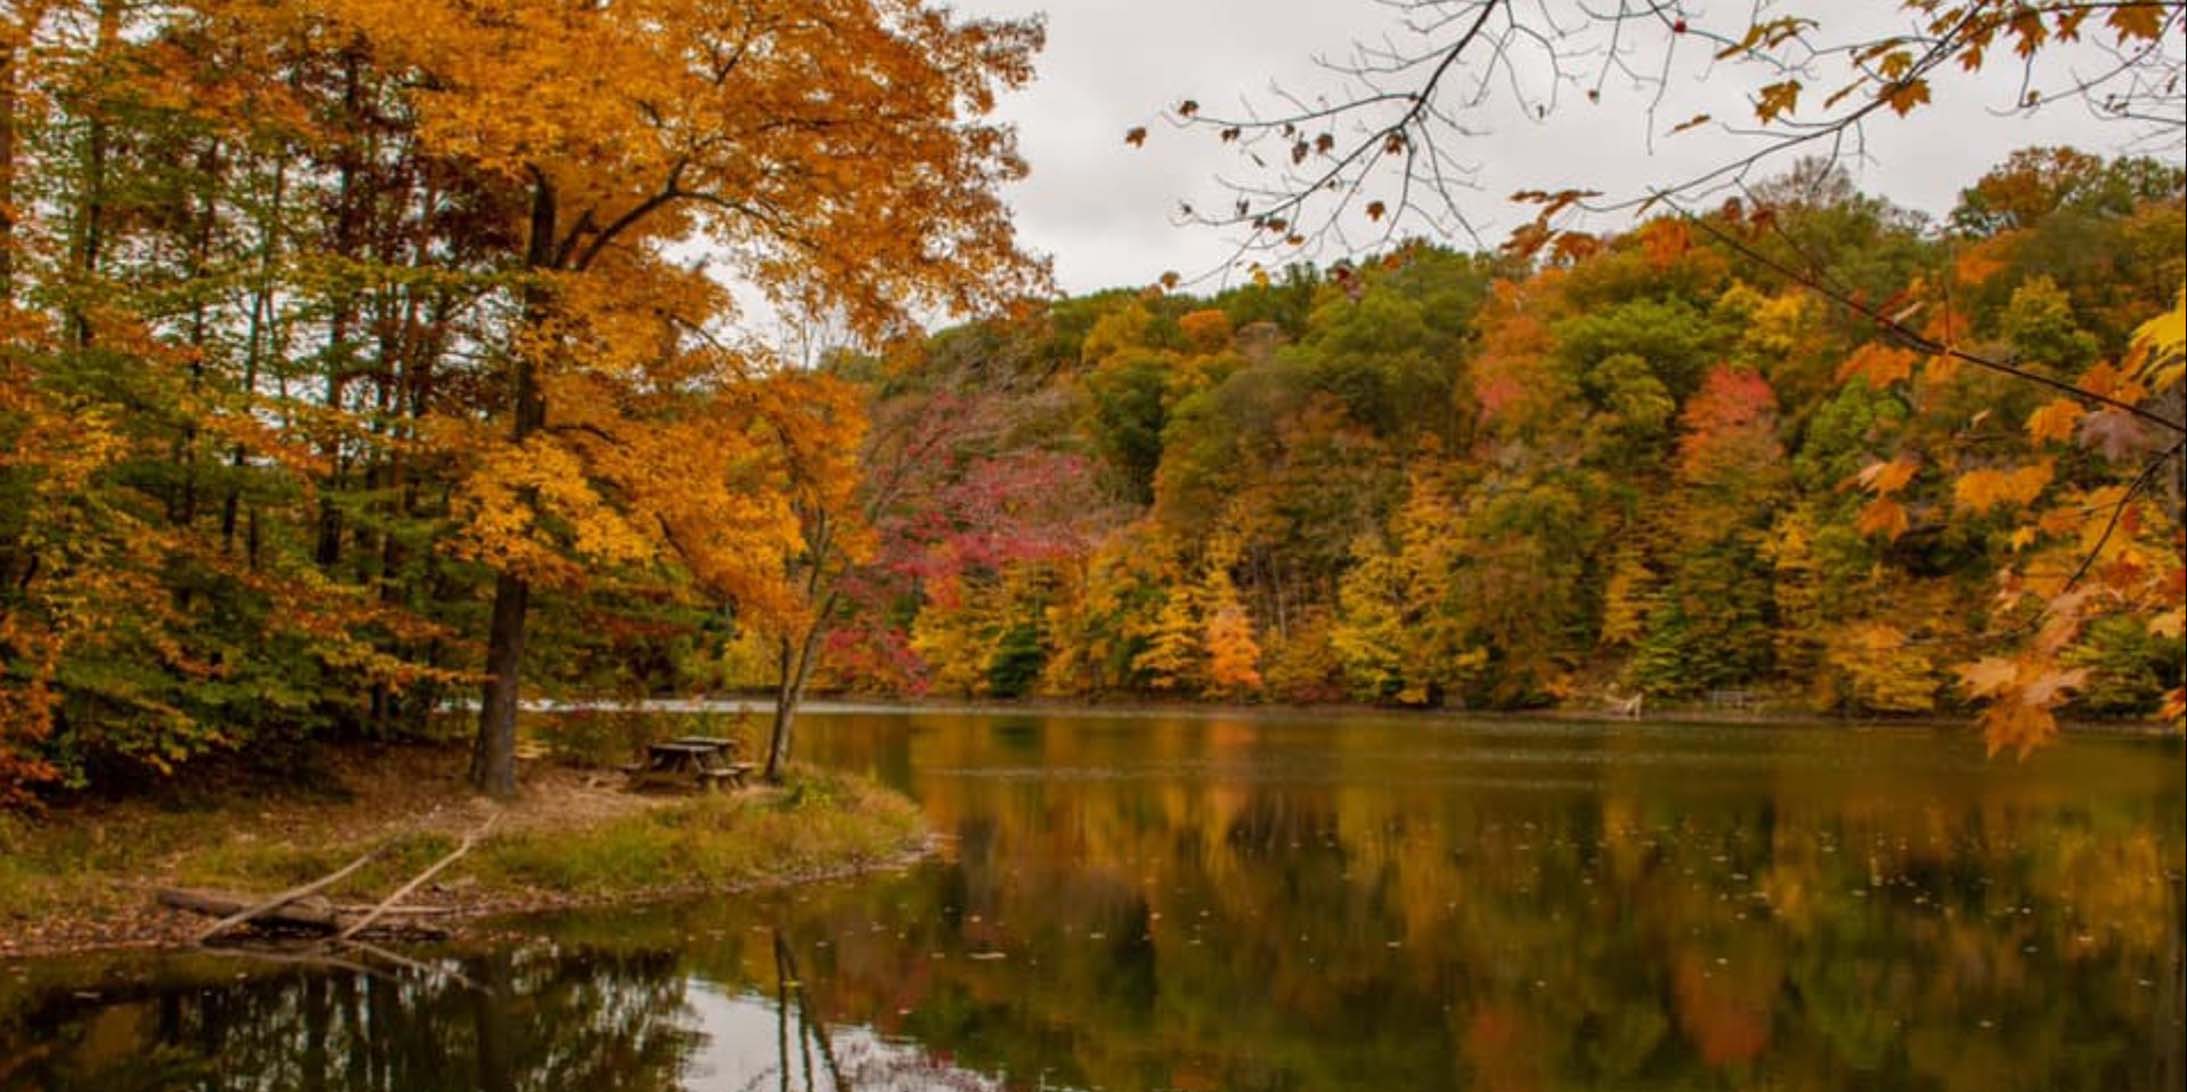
(1103, 210)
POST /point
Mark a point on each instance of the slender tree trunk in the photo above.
(253, 345)
(493, 762)
(9, 550)
(7, 174)
(91, 220)
(201, 256)
(796, 662)
(347, 230)
(797, 672)
(778, 735)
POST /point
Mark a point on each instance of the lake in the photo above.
(1292, 903)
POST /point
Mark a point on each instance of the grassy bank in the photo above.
(83, 876)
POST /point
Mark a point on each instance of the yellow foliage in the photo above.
(2160, 347)
(2055, 420)
(1980, 491)
(1882, 671)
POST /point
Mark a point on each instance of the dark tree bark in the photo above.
(493, 761)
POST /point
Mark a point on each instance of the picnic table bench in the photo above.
(708, 761)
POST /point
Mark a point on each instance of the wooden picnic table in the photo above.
(706, 760)
(723, 742)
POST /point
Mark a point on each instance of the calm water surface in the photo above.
(1290, 903)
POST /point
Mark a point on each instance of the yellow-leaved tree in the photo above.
(833, 154)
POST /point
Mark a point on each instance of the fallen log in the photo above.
(311, 914)
(260, 909)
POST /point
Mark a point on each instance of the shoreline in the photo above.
(85, 878)
(756, 704)
(464, 921)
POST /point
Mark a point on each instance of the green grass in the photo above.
(819, 822)
(252, 865)
(46, 869)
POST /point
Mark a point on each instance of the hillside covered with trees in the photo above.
(1650, 463)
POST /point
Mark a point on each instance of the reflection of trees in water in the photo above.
(864, 1064)
(538, 1019)
(1852, 912)
(1792, 928)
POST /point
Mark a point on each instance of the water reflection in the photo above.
(1273, 905)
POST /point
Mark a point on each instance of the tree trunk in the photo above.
(12, 553)
(349, 246)
(7, 175)
(778, 736)
(91, 220)
(253, 345)
(788, 694)
(493, 761)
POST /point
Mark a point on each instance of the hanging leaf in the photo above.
(1904, 96)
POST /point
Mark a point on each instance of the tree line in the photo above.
(1657, 461)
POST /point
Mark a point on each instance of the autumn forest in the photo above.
(353, 363)
(544, 542)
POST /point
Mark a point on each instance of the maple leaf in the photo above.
(1882, 516)
(2114, 432)
(1902, 97)
(2138, 21)
(2018, 726)
(1571, 246)
(1136, 136)
(1886, 478)
(1375, 209)
(1777, 99)
(2055, 420)
(2050, 687)
(1989, 676)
